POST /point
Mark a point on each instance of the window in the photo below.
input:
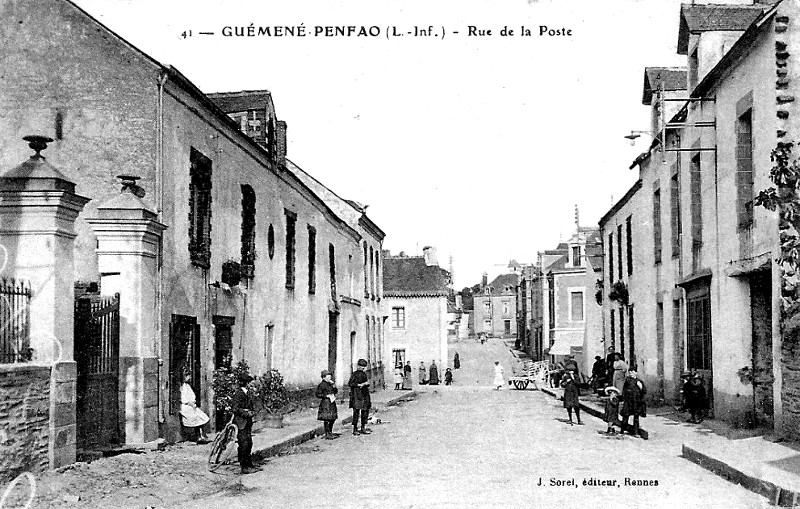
(619, 251)
(576, 256)
(696, 204)
(675, 209)
(613, 328)
(271, 241)
(398, 318)
(248, 230)
(507, 327)
(629, 243)
(366, 271)
(506, 307)
(744, 169)
(698, 340)
(610, 258)
(372, 271)
(657, 226)
(622, 331)
(312, 260)
(487, 325)
(200, 209)
(487, 305)
(631, 337)
(576, 306)
(291, 220)
(332, 265)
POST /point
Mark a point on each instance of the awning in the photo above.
(565, 340)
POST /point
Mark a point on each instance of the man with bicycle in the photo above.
(242, 408)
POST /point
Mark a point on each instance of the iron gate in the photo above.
(97, 356)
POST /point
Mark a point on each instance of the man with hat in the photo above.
(243, 412)
(686, 379)
(359, 398)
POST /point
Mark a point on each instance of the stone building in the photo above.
(416, 295)
(219, 250)
(567, 295)
(495, 306)
(707, 292)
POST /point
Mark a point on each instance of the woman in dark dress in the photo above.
(407, 376)
(456, 361)
(571, 393)
(326, 392)
(433, 379)
(633, 393)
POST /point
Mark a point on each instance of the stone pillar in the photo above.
(128, 246)
(38, 208)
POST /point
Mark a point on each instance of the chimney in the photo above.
(430, 256)
(485, 280)
(280, 157)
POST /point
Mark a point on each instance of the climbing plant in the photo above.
(783, 198)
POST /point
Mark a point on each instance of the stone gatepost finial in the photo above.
(129, 185)
(38, 143)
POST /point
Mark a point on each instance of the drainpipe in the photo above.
(162, 78)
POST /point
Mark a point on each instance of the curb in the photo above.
(315, 431)
(592, 411)
(775, 494)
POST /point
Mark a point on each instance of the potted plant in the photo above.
(231, 273)
(273, 396)
(619, 293)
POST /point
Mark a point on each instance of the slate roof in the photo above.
(696, 18)
(232, 102)
(500, 282)
(408, 276)
(673, 78)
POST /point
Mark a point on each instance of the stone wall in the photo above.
(24, 419)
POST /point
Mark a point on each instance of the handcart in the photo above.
(530, 371)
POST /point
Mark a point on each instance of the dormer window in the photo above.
(577, 259)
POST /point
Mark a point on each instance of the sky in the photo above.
(478, 145)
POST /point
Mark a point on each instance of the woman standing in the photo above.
(422, 373)
(571, 394)
(456, 361)
(620, 371)
(326, 392)
(633, 394)
(433, 379)
(498, 376)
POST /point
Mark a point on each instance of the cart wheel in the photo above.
(520, 384)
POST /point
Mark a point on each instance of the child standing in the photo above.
(695, 396)
(612, 410)
(326, 392)
(398, 377)
(571, 396)
(448, 376)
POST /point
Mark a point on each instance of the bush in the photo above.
(225, 382)
(271, 391)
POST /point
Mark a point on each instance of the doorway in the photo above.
(333, 334)
(698, 336)
(761, 323)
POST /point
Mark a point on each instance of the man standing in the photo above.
(359, 398)
(242, 408)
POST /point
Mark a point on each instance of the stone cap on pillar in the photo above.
(36, 174)
(128, 204)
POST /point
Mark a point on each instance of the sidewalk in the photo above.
(304, 425)
(177, 473)
(590, 404)
(762, 466)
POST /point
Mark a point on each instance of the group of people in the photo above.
(613, 378)
(243, 408)
(427, 376)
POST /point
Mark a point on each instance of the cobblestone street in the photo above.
(469, 445)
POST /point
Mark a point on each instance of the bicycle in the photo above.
(221, 447)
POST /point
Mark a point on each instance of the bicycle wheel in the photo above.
(221, 448)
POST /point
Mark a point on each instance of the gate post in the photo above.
(128, 250)
(38, 208)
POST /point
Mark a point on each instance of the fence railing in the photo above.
(15, 326)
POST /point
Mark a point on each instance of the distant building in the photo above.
(416, 292)
(495, 307)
